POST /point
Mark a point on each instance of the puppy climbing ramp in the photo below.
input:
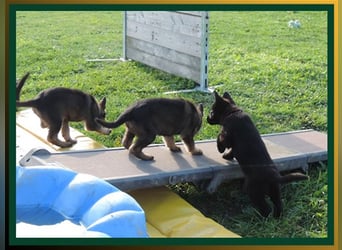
(291, 150)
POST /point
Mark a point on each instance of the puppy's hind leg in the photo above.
(190, 144)
(140, 143)
(127, 139)
(53, 135)
(170, 143)
(66, 132)
(276, 199)
(257, 196)
(43, 123)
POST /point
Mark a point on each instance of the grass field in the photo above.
(275, 73)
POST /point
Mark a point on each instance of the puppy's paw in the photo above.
(141, 155)
(196, 151)
(146, 157)
(63, 144)
(221, 148)
(71, 141)
(228, 156)
(175, 149)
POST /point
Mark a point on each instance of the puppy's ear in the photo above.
(227, 96)
(102, 103)
(217, 97)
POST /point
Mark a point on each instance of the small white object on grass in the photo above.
(294, 24)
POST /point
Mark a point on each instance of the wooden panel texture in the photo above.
(167, 40)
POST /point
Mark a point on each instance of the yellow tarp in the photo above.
(167, 214)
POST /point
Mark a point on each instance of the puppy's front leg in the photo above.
(223, 142)
(228, 155)
(221, 146)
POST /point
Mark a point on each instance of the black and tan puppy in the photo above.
(243, 141)
(159, 116)
(57, 106)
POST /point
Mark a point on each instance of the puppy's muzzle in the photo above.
(210, 120)
(105, 131)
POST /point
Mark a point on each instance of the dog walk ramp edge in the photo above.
(290, 150)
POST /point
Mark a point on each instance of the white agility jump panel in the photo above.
(172, 41)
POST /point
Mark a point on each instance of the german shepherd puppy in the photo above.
(57, 106)
(243, 141)
(159, 116)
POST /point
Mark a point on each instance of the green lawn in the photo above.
(275, 73)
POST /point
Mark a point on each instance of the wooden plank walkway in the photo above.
(291, 150)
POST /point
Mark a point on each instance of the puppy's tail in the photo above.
(292, 177)
(121, 120)
(20, 85)
(31, 103)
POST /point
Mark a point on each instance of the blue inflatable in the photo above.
(49, 196)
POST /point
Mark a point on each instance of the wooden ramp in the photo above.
(291, 150)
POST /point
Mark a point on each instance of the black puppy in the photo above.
(243, 141)
(150, 117)
(56, 107)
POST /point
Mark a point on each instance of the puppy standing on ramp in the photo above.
(243, 141)
(57, 106)
(159, 116)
